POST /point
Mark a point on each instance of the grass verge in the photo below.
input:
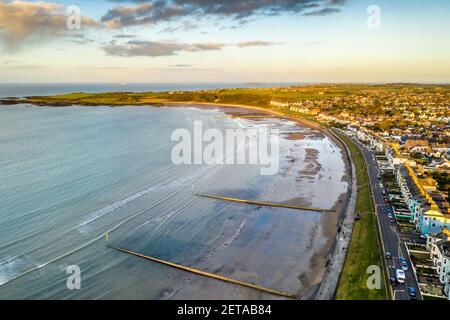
(364, 248)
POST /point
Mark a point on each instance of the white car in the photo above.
(400, 275)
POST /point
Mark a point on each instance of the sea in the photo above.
(75, 181)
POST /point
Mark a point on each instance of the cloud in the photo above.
(182, 26)
(322, 12)
(78, 38)
(124, 36)
(17, 65)
(181, 65)
(8, 62)
(146, 12)
(256, 43)
(142, 14)
(137, 48)
(22, 20)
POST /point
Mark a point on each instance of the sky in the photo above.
(235, 41)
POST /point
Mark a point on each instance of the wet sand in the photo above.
(324, 231)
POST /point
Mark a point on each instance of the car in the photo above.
(390, 216)
(393, 281)
(400, 275)
(404, 264)
(411, 292)
(388, 255)
(423, 236)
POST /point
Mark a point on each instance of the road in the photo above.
(391, 238)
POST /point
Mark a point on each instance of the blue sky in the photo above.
(137, 41)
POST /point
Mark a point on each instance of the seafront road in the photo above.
(390, 236)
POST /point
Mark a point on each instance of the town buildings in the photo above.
(438, 245)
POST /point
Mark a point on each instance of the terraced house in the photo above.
(439, 248)
(428, 208)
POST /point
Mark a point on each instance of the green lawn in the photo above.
(364, 246)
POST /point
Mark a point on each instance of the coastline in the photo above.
(328, 226)
(302, 121)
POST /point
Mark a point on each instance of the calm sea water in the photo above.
(70, 175)
(40, 89)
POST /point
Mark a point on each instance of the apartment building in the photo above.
(428, 207)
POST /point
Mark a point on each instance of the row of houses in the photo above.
(364, 135)
(296, 106)
(438, 245)
(428, 208)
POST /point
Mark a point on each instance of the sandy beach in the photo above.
(307, 283)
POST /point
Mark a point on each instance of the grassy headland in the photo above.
(260, 97)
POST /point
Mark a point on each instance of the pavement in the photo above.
(391, 237)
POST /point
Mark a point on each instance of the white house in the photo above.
(439, 248)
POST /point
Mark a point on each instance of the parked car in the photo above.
(393, 281)
(400, 275)
(404, 264)
(388, 255)
(411, 292)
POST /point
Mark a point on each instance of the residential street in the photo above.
(392, 241)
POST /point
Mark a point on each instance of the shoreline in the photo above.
(308, 123)
(331, 256)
